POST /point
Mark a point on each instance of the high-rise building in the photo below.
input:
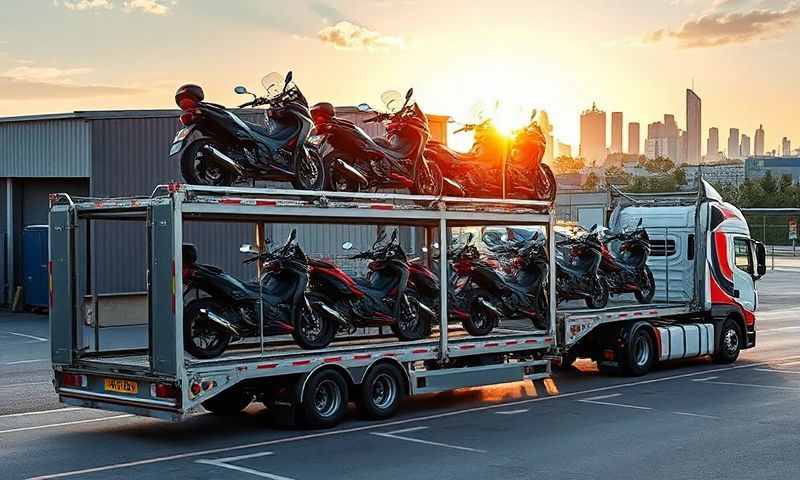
(683, 139)
(758, 148)
(564, 150)
(616, 132)
(712, 147)
(733, 143)
(593, 136)
(662, 139)
(634, 138)
(744, 147)
(693, 127)
(786, 146)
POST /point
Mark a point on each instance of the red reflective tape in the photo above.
(492, 344)
(301, 362)
(332, 359)
(230, 201)
(266, 203)
(637, 313)
(531, 340)
(653, 312)
(267, 365)
(467, 347)
(511, 342)
(390, 354)
(382, 206)
(622, 315)
(362, 356)
(420, 350)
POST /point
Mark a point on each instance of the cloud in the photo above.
(154, 7)
(44, 74)
(328, 12)
(16, 89)
(722, 26)
(81, 5)
(145, 6)
(350, 36)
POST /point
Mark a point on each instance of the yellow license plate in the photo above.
(121, 386)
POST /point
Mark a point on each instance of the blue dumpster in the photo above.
(34, 265)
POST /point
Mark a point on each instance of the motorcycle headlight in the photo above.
(316, 140)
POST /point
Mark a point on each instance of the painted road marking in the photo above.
(704, 379)
(424, 442)
(25, 384)
(775, 370)
(406, 421)
(597, 401)
(40, 339)
(225, 463)
(512, 412)
(41, 412)
(62, 424)
(18, 362)
(755, 385)
(688, 414)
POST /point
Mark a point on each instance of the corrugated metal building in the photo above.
(123, 153)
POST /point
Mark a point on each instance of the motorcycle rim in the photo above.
(207, 172)
(308, 173)
(409, 317)
(204, 335)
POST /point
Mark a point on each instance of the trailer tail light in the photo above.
(163, 390)
(187, 118)
(74, 380)
(195, 388)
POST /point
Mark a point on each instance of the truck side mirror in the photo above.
(761, 259)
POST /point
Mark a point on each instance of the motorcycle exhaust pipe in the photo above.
(222, 322)
(426, 309)
(453, 187)
(226, 160)
(350, 171)
(331, 313)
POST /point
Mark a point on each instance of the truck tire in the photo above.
(228, 403)
(381, 392)
(640, 353)
(730, 342)
(324, 399)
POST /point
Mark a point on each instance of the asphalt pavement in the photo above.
(689, 419)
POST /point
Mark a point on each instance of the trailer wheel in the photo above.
(381, 392)
(639, 353)
(229, 402)
(324, 400)
(730, 343)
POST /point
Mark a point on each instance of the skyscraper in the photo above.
(733, 143)
(593, 136)
(786, 145)
(671, 132)
(712, 147)
(616, 132)
(633, 138)
(693, 127)
(744, 147)
(759, 141)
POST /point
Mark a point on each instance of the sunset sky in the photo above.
(629, 55)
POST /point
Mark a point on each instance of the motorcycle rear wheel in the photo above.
(309, 172)
(199, 168)
(599, 297)
(311, 329)
(481, 320)
(645, 295)
(413, 323)
(201, 337)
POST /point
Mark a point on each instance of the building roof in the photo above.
(102, 115)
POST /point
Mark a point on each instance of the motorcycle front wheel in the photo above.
(481, 320)
(312, 330)
(198, 167)
(203, 338)
(648, 290)
(413, 323)
(428, 181)
(599, 294)
(310, 172)
(547, 183)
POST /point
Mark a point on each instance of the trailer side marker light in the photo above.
(266, 365)
(362, 356)
(301, 362)
(608, 354)
(332, 359)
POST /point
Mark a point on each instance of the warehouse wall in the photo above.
(45, 148)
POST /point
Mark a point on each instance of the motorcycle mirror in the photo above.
(593, 228)
(292, 235)
(240, 90)
(535, 236)
(288, 80)
(247, 248)
(409, 93)
(435, 245)
(363, 107)
(347, 245)
(394, 236)
(640, 223)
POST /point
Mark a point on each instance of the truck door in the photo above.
(744, 284)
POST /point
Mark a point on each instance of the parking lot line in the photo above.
(36, 360)
(424, 442)
(597, 401)
(688, 414)
(225, 463)
(62, 424)
(704, 379)
(13, 385)
(330, 433)
(39, 339)
(776, 370)
(41, 412)
(512, 412)
(755, 385)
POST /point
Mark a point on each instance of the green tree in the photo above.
(768, 183)
(564, 164)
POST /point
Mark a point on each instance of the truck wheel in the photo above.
(381, 392)
(648, 290)
(599, 298)
(324, 400)
(481, 320)
(229, 402)
(639, 353)
(730, 343)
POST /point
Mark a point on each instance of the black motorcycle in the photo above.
(382, 298)
(230, 150)
(226, 308)
(358, 162)
(624, 263)
(578, 273)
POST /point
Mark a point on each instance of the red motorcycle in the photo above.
(357, 162)
(480, 171)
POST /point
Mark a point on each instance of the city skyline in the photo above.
(100, 55)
